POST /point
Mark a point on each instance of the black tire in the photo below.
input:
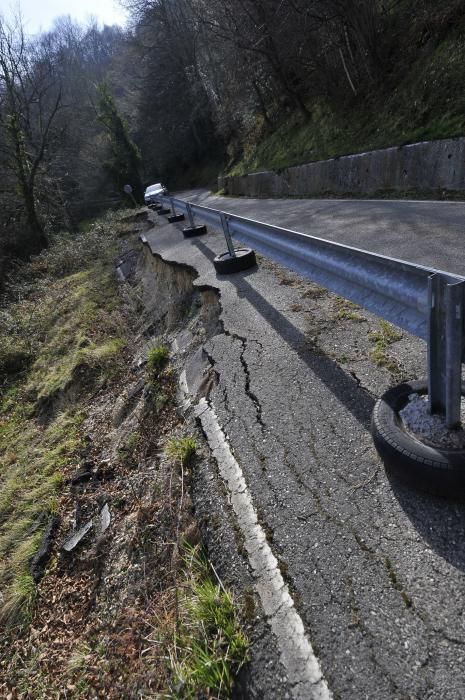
(194, 231)
(438, 471)
(175, 217)
(225, 264)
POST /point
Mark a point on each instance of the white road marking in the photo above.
(296, 653)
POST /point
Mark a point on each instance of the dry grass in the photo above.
(66, 331)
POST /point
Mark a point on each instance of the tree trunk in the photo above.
(39, 240)
(261, 103)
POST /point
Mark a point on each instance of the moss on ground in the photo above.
(382, 339)
(347, 310)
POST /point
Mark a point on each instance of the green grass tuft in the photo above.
(20, 601)
(382, 338)
(181, 450)
(210, 645)
(157, 359)
(347, 310)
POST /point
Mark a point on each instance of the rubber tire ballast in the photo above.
(439, 471)
(225, 264)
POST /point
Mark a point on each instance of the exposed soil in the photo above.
(105, 608)
(90, 634)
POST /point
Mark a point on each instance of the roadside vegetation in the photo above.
(137, 607)
(382, 338)
(423, 105)
(419, 57)
(209, 646)
(62, 336)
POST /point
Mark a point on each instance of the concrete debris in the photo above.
(100, 523)
(183, 341)
(199, 377)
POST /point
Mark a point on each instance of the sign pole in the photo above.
(128, 190)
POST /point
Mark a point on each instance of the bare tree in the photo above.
(30, 98)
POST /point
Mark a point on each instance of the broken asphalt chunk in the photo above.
(41, 558)
(103, 520)
(72, 542)
(83, 474)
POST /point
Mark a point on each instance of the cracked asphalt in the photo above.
(304, 676)
(376, 570)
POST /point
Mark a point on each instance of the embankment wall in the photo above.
(429, 167)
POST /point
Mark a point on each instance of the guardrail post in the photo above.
(163, 210)
(445, 347)
(190, 215)
(227, 234)
(174, 218)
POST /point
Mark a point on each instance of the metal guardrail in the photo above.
(427, 303)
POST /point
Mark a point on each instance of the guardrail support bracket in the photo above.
(227, 235)
(174, 217)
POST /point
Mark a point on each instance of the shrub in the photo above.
(157, 359)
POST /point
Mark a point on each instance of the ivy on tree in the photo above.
(123, 165)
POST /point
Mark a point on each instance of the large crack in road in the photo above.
(375, 570)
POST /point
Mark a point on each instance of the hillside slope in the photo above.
(421, 99)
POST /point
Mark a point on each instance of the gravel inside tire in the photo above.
(225, 264)
(438, 471)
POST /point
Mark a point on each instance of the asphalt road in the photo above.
(428, 233)
(376, 569)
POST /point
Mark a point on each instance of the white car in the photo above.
(154, 191)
